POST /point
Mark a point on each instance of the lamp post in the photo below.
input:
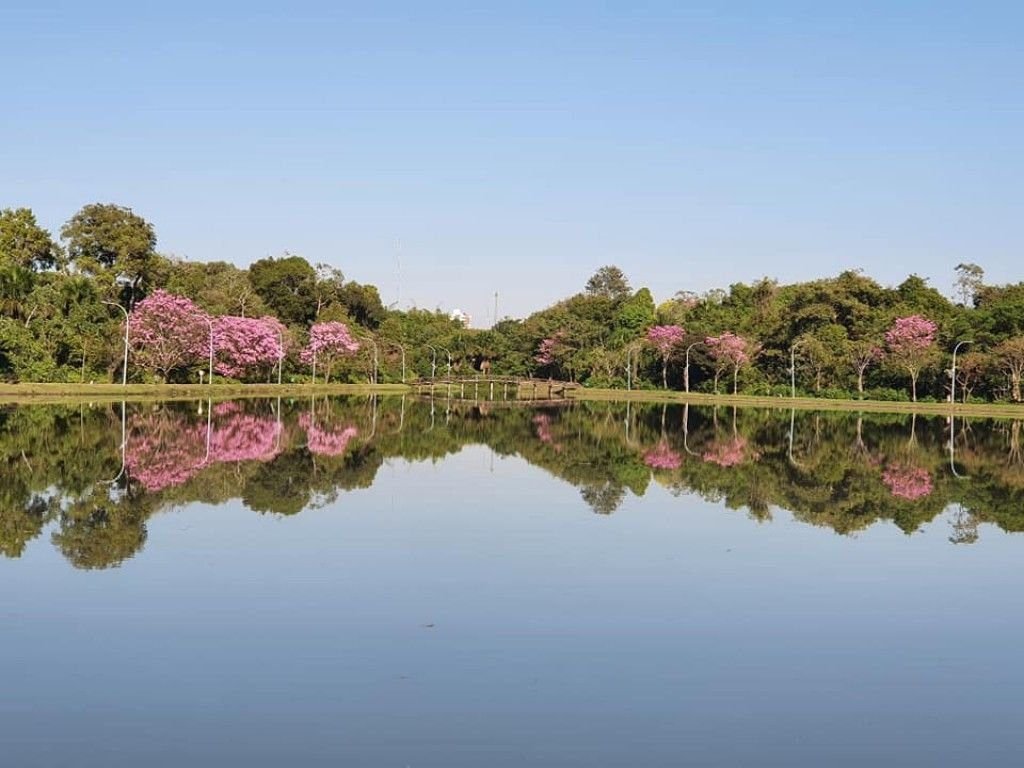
(952, 373)
(124, 367)
(433, 361)
(792, 368)
(686, 370)
(449, 352)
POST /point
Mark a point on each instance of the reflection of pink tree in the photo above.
(728, 453)
(911, 346)
(542, 423)
(167, 332)
(665, 339)
(662, 457)
(166, 449)
(328, 342)
(245, 437)
(247, 345)
(730, 351)
(907, 482)
(326, 440)
(162, 452)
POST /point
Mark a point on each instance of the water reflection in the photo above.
(842, 471)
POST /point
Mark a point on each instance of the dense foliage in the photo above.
(61, 320)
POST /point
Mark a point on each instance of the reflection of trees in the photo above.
(100, 535)
(603, 498)
(840, 471)
(21, 523)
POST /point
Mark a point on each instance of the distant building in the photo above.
(462, 317)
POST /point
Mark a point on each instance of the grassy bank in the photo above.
(52, 393)
(994, 410)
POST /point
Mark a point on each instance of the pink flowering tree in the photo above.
(248, 346)
(167, 332)
(730, 351)
(554, 352)
(328, 343)
(910, 344)
(665, 339)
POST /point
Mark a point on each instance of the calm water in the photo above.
(389, 583)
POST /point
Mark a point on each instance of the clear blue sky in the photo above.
(519, 147)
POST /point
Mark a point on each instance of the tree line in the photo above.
(64, 303)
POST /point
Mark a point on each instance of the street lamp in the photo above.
(445, 349)
(124, 367)
(686, 370)
(433, 361)
(792, 368)
(952, 386)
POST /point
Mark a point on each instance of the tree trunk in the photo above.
(1015, 377)
(735, 379)
(718, 375)
(860, 382)
(664, 372)
(913, 387)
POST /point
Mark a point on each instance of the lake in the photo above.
(396, 582)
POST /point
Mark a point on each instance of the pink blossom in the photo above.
(910, 342)
(247, 345)
(167, 449)
(550, 349)
(663, 457)
(542, 423)
(728, 348)
(665, 338)
(167, 332)
(907, 482)
(327, 343)
(910, 333)
(728, 454)
(245, 437)
(324, 440)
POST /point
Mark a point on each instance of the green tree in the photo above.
(24, 244)
(288, 286)
(111, 241)
(635, 316)
(609, 282)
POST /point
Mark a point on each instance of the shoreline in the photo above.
(109, 392)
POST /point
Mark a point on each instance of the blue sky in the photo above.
(517, 147)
